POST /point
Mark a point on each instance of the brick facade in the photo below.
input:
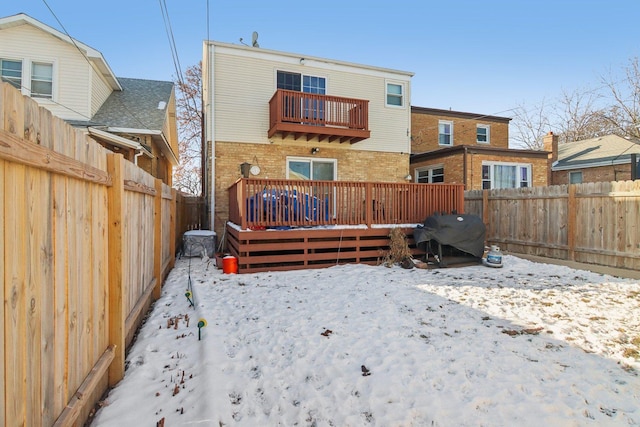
(462, 161)
(353, 165)
(595, 174)
(465, 166)
(424, 129)
(587, 151)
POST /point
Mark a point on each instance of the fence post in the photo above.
(172, 228)
(117, 334)
(571, 223)
(241, 203)
(460, 199)
(485, 207)
(368, 204)
(157, 240)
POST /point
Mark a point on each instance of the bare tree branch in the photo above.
(187, 176)
(531, 124)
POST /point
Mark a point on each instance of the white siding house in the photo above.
(240, 80)
(135, 117)
(76, 72)
(356, 117)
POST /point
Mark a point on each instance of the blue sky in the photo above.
(480, 56)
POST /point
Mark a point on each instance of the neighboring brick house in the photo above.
(456, 147)
(295, 116)
(72, 80)
(606, 158)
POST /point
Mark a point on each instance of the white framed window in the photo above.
(575, 177)
(306, 108)
(445, 133)
(33, 78)
(483, 134)
(312, 168)
(301, 82)
(394, 94)
(316, 169)
(430, 174)
(11, 72)
(505, 175)
(42, 80)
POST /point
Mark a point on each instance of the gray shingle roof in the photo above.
(136, 105)
(605, 150)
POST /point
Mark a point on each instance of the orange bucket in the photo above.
(229, 265)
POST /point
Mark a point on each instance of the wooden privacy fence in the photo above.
(86, 239)
(595, 223)
(190, 215)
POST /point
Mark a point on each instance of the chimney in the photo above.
(550, 143)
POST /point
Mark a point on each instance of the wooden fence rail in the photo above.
(86, 239)
(190, 215)
(594, 223)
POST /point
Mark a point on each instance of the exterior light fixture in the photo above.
(245, 169)
(407, 177)
(315, 150)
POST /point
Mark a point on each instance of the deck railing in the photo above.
(325, 117)
(273, 203)
(316, 110)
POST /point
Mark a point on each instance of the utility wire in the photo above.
(174, 54)
(84, 55)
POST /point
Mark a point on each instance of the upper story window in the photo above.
(505, 175)
(11, 72)
(430, 175)
(310, 108)
(313, 84)
(289, 81)
(38, 80)
(483, 134)
(41, 80)
(301, 83)
(445, 132)
(395, 95)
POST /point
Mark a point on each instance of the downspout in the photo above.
(464, 168)
(135, 157)
(211, 139)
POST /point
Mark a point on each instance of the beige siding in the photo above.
(100, 90)
(244, 83)
(71, 71)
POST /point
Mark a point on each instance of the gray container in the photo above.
(198, 243)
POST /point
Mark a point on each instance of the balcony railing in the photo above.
(273, 203)
(324, 117)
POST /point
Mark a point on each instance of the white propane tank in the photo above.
(494, 257)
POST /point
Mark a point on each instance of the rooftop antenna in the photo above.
(254, 39)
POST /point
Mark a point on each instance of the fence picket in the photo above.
(594, 223)
(56, 220)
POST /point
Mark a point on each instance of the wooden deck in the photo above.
(278, 250)
(293, 224)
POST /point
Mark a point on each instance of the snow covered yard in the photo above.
(528, 344)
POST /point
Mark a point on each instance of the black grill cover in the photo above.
(463, 232)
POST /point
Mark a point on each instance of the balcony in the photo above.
(321, 117)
